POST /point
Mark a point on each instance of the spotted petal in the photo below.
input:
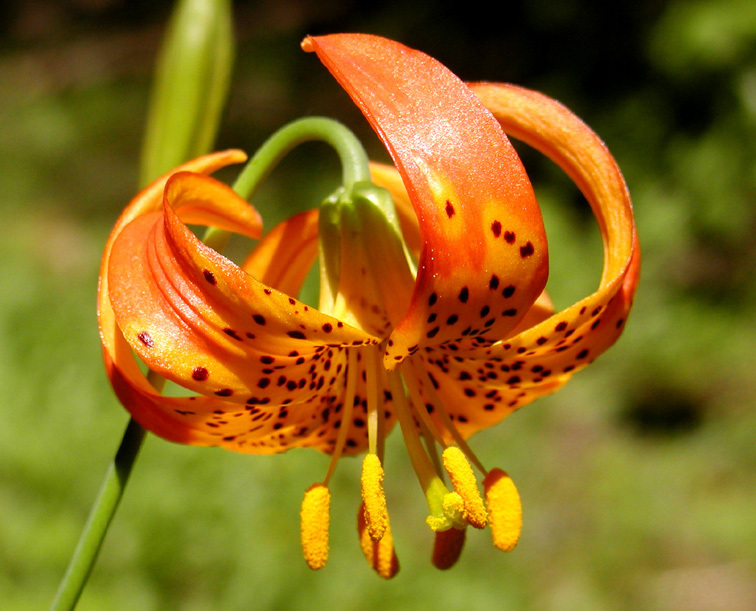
(483, 243)
(270, 368)
(481, 387)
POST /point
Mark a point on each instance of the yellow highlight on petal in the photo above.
(464, 483)
(315, 518)
(504, 509)
(373, 497)
(447, 547)
(380, 554)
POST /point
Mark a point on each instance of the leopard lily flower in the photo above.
(433, 315)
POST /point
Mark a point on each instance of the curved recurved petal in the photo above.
(196, 318)
(575, 336)
(116, 351)
(481, 387)
(484, 256)
(284, 257)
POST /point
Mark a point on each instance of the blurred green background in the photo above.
(638, 479)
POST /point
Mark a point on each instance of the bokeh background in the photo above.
(638, 479)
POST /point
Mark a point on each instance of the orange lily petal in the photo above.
(481, 387)
(271, 368)
(484, 247)
(118, 358)
(200, 311)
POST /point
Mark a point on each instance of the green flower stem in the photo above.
(354, 159)
(100, 516)
(102, 512)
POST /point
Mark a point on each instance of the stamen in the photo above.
(419, 405)
(464, 483)
(373, 497)
(346, 413)
(380, 554)
(376, 416)
(427, 475)
(315, 518)
(420, 371)
(419, 459)
(447, 547)
(504, 509)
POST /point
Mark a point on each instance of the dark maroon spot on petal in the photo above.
(268, 291)
(484, 311)
(339, 324)
(432, 318)
(224, 392)
(568, 368)
(432, 332)
(267, 360)
(493, 284)
(489, 322)
(489, 407)
(509, 237)
(327, 327)
(496, 228)
(449, 209)
(469, 392)
(511, 312)
(527, 250)
(541, 341)
(582, 354)
(263, 383)
(292, 301)
(209, 276)
(464, 295)
(230, 332)
(536, 368)
(508, 291)
(452, 319)
(597, 311)
(200, 374)
(514, 380)
(432, 299)
(620, 322)
(250, 335)
(259, 319)
(433, 380)
(146, 339)
(296, 334)
(291, 385)
(465, 376)
(561, 326)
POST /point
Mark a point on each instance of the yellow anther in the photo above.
(504, 509)
(464, 483)
(447, 547)
(315, 517)
(380, 554)
(373, 497)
